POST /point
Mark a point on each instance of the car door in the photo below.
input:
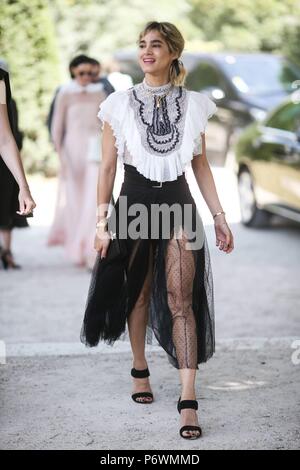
(206, 78)
(278, 168)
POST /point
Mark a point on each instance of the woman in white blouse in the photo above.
(156, 283)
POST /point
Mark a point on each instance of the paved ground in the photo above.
(55, 393)
(247, 400)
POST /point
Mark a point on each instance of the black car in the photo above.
(268, 165)
(244, 86)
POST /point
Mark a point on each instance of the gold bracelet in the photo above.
(218, 213)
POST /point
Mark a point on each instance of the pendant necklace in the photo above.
(157, 98)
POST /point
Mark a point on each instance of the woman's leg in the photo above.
(180, 272)
(137, 323)
(6, 254)
(188, 415)
(6, 239)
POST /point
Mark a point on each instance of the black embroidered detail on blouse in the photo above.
(161, 127)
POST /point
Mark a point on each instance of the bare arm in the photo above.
(59, 120)
(107, 170)
(11, 156)
(205, 180)
(206, 183)
(106, 178)
(9, 150)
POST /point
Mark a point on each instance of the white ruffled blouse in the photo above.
(131, 148)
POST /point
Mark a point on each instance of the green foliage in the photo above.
(27, 43)
(245, 25)
(291, 36)
(99, 28)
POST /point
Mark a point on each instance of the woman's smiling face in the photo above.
(154, 55)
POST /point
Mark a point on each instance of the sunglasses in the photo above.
(82, 73)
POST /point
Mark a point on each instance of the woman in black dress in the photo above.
(159, 281)
(15, 199)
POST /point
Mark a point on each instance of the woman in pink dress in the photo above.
(76, 134)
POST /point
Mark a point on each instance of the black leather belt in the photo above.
(132, 176)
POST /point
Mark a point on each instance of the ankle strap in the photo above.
(140, 374)
(188, 404)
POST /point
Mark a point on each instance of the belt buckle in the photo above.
(157, 186)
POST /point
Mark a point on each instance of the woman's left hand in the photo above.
(224, 237)
(26, 202)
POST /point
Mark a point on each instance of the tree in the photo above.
(27, 43)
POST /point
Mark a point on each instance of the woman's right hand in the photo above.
(102, 241)
(26, 202)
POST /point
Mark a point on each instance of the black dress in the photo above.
(181, 307)
(9, 189)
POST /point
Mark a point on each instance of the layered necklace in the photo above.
(159, 112)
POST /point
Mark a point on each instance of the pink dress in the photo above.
(75, 128)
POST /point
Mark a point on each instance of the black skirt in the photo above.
(164, 268)
(9, 201)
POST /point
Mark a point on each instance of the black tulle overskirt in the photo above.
(181, 297)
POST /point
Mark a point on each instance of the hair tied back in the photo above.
(177, 63)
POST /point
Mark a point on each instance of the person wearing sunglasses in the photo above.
(74, 129)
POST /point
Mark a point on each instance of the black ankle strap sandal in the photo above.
(7, 260)
(182, 404)
(141, 374)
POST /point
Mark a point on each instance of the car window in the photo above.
(286, 118)
(203, 76)
(262, 74)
